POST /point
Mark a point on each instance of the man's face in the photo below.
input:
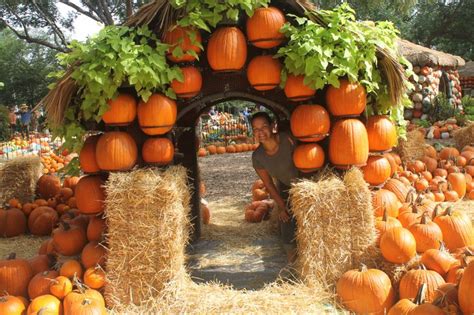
(262, 129)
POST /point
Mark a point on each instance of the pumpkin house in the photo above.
(466, 76)
(435, 72)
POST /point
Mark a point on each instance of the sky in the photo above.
(83, 25)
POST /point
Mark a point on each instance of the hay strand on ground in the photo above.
(18, 178)
(464, 136)
(147, 216)
(413, 148)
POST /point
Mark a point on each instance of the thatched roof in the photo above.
(421, 56)
(467, 70)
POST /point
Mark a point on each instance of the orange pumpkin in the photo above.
(60, 287)
(40, 283)
(191, 84)
(88, 301)
(383, 224)
(94, 278)
(116, 151)
(90, 195)
(347, 100)
(427, 234)
(263, 73)
(181, 37)
(227, 49)
(381, 132)
(42, 220)
(48, 186)
(122, 110)
(466, 288)
(458, 183)
(93, 254)
(69, 240)
(310, 123)
(348, 144)
(96, 228)
(158, 115)
(11, 305)
(296, 89)
(87, 159)
(12, 222)
(158, 151)
(70, 269)
(263, 28)
(398, 245)
(385, 202)
(377, 170)
(308, 157)
(413, 279)
(45, 304)
(15, 275)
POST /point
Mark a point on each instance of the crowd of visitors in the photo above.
(23, 120)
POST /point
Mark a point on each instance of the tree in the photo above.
(24, 16)
(25, 68)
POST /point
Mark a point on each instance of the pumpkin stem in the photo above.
(435, 211)
(449, 211)
(66, 226)
(11, 256)
(442, 247)
(409, 197)
(363, 268)
(384, 216)
(424, 218)
(86, 301)
(420, 296)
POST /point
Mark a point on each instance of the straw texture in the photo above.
(464, 136)
(413, 148)
(147, 215)
(18, 178)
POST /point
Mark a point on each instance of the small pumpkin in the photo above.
(12, 222)
(94, 277)
(398, 245)
(93, 254)
(70, 269)
(15, 275)
(60, 287)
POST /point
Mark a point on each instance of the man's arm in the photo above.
(270, 186)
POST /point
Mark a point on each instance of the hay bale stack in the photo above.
(18, 178)
(464, 136)
(413, 148)
(148, 228)
(335, 225)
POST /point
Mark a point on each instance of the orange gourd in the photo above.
(157, 116)
(308, 157)
(227, 49)
(263, 73)
(122, 110)
(348, 144)
(191, 84)
(263, 27)
(310, 123)
(158, 151)
(347, 100)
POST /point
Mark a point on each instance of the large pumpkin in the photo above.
(398, 245)
(366, 291)
(45, 304)
(48, 186)
(181, 36)
(191, 84)
(93, 254)
(382, 133)
(15, 275)
(347, 100)
(122, 110)
(158, 150)
(87, 159)
(413, 279)
(263, 73)
(308, 157)
(90, 195)
(385, 201)
(227, 49)
(296, 90)
(456, 227)
(348, 144)
(158, 115)
(39, 284)
(466, 290)
(11, 305)
(263, 28)
(116, 151)
(42, 220)
(377, 170)
(12, 222)
(69, 240)
(310, 123)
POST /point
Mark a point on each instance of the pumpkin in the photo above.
(377, 170)
(413, 279)
(220, 150)
(310, 123)
(69, 240)
(263, 73)
(48, 186)
(427, 234)
(42, 263)
(70, 269)
(398, 188)
(122, 110)
(87, 158)
(438, 260)
(158, 151)
(11, 305)
(381, 132)
(263, 27)
(227, 49)
(447, 153)
(385, 223)
(158, 115)
(366, 291)
(202, 152)
(349, 99)
(182, 37)
(45, 304)
(458, 183)
(96, 228)
(456, 227)
(398, 245)
(70, 182)
(393, 163)
(12, 222)
(27, 208)
(93, 254)
(205, 214)
(89, 302)
(90, 195)
(466, 290)
(230, 149)
(94, 278)
(259, 194)
(296, 89)
(308, 157)
(15, 275)
(256, 211)
(431, 164)
(191, 84)
(348, 144)
(406, 306)
(116, 151)
(60, 287)
(212, 149)
(39, 284)
(42, 220)
(385, 201)
(430, 151)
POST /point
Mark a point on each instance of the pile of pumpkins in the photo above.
(35, 145)
(231, 148)
(260, 207)
(53, 162)
(42, 282)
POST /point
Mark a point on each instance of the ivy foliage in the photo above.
(117, 56)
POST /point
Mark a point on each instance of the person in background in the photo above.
(25, 119)
(273, 160)
(12, 119)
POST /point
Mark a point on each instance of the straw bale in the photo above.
(25, 246)
(18, 178)
(147, 214)
(464, 136)
(413, 148)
